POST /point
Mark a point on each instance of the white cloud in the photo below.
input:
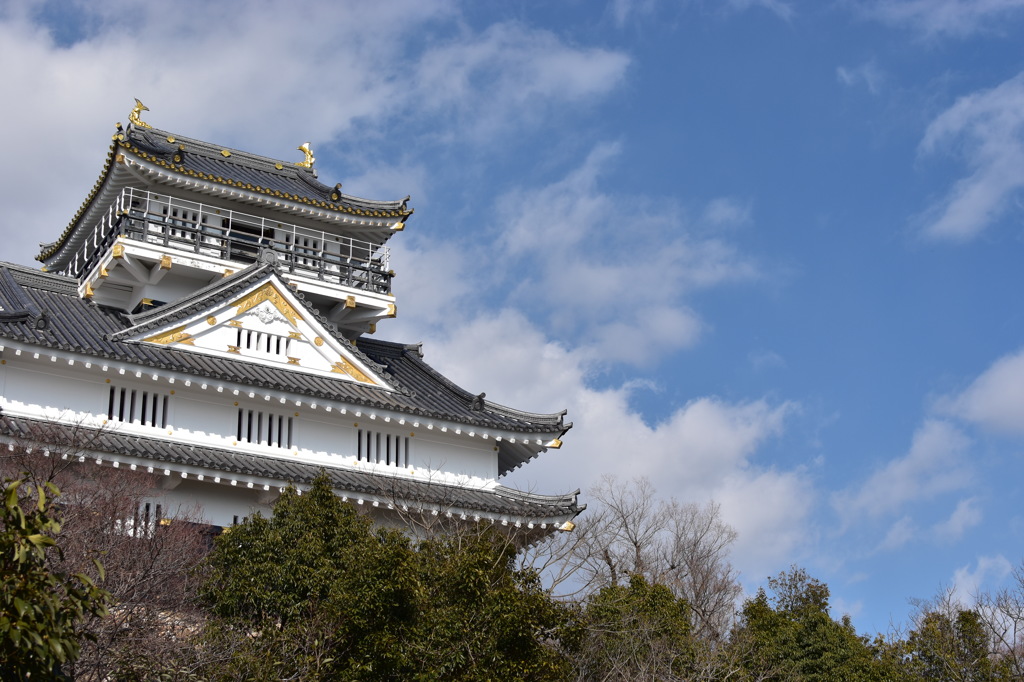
(509, 72)
(900, 533)
(987, 129)
(612, 272)
(762, 360)
(867, 74)
(622, 10)
(943, 18)
(964, 517)
(995, 400)
(726, 212)
(784, 10)
(705, 449)
(266, 80)
(935, 464)
(968, 584)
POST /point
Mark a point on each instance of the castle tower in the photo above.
(204, 317)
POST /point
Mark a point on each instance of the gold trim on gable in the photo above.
(343, 366)
(176, 335)
(267, 292)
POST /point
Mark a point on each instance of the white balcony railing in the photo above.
(236, 237)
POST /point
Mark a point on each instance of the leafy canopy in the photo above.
(42, 612)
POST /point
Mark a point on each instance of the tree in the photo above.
(790, 635)
(41, 611)
(639, 631)
(949, 642)
(1002, 613)
(316, 587)
(480, 617)
(685, 547)
(317, 593)
(950, 648)
(149, 558)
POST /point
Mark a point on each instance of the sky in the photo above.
(766, 253)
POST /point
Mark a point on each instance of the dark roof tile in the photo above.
(498, 500)
(77, 325)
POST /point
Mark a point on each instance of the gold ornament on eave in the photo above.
(133, 117)
(305, 149)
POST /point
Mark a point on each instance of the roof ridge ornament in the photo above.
(305, 149)
(133, 117)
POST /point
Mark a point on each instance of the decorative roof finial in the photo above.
(133, 117)
(308, 163)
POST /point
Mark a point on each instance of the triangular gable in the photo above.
(264, 323)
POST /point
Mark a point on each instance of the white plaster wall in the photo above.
(49, 389)
(213, 420)
(327, 437)
(206, 417)
(213, 503)
(172, 287)
(458, 456)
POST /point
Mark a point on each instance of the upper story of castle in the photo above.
(170, 215)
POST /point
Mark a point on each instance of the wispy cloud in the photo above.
(967, 515)
(986, 130)
(994, 400)
(943, 18)
(968, 583)
(781, 8)
(867, 74)
(936, 463)
(900, 533)
(622, 266)
(622, 11)
(727, 212)
(595, 278)
(492, 81)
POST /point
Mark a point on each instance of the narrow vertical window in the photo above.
(145, 408)
(264, 428)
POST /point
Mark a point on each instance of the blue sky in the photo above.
(766, 252)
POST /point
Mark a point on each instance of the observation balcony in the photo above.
(236, 239)
(126, 260)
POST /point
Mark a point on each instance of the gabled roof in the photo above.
(259, 283)
(500, 501)
(73, 324)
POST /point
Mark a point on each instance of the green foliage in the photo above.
(316, 593)
(641, 631)
(41, 611)
(315, 577)
(791, 636)
(478, 618)
(944, 647)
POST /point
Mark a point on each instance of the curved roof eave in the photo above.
(287, 183)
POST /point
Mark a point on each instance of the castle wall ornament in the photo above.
(267, 292)
(305, 149)
(266, 313)
(133, 117)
